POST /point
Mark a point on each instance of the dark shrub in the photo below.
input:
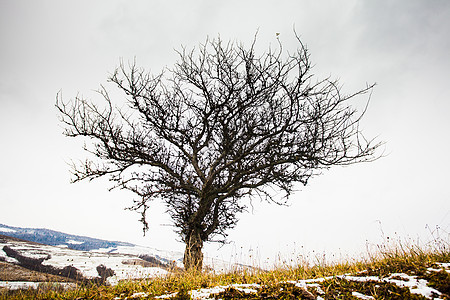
(35, 264)
(104, 272)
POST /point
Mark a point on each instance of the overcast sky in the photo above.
(72, 46)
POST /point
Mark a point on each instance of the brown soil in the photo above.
(12, 272)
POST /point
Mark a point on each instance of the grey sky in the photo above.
(403, 46)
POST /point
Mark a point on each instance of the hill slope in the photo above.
(75, 264)
(56, 238)
(62, 250)
(405, 273)
(84, 243)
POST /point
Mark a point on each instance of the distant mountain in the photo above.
(56, 238)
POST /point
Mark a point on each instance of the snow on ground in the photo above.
(415, 285)
(205, 293)
(5, 257)
(3, 229)
(125, 266)
(123, 260)
(171, 257)
(362, 296)
(167, 257)
(73, 242)
(445, 266)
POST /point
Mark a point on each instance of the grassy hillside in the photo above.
(398, 273)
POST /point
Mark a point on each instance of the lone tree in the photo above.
(222, 126)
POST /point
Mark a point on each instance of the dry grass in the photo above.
(389, 258)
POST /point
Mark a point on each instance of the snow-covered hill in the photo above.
(62, 254)
(56, 238)
(78, 264)
(76, 242)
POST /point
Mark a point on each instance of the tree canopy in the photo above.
(220, 126)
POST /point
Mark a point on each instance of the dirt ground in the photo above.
(11, 272)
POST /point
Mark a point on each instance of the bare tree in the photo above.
(222, 126)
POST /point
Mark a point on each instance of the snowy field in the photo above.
(123, 260)
(125, 266)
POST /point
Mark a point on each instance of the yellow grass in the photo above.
(389, 258)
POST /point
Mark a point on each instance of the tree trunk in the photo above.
(193, 256)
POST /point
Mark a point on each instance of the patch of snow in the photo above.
(309, 281)
(206, 293)
(73, 242)
(305, 284)
(11, 260)
(3, 229)
(319, 290)
(444, 267)
(134, 272)
(246, 288)
(104, 250)
(6, 257)
(167, 296)
(18, 285)
(416, 286)
(361, 296)
(359, 278)
(138, 295)
(314, 285)
(164, 256)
